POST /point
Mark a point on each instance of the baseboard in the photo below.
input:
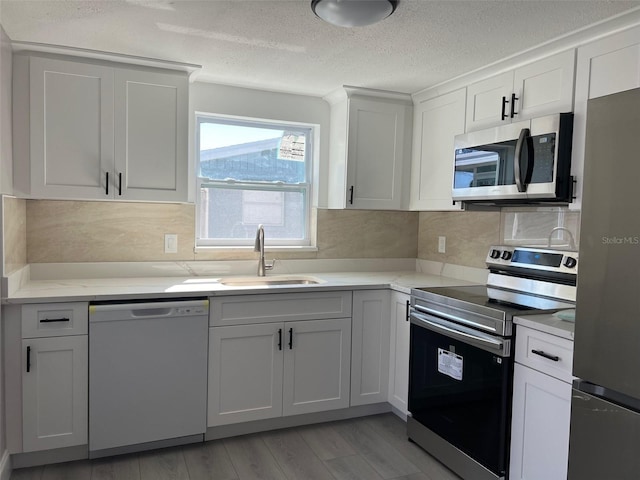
(5, 466)
(244, 428)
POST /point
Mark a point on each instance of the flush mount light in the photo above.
(353, 13)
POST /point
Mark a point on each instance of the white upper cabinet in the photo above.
(436, 122)
(99, 131)
(71, 125)
(536, 89)
(370, 137)
(151, 135)
(609, 65)
(606, 66)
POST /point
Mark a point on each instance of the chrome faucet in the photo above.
(572, 242)
(259, 247)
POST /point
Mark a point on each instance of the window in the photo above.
(252, 172)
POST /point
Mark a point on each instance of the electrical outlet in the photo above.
(442, 244)
(170, 243)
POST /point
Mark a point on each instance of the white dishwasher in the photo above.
(147, 375)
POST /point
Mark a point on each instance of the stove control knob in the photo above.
(570, 262)
(506, 255)
(494, 253)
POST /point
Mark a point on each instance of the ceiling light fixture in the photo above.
(353, 13)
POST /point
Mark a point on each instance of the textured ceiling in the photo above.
(281, 45)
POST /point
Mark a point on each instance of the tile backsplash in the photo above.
(50, 231)
(14, 233)
(80, 231)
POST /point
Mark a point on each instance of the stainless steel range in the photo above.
(461, 356)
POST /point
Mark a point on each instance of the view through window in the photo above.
(252, 172)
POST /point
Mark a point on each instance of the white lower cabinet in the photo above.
(541, 406)
(245, 373)
(370, 347)
(54, 392)
(399, 352)
(261, 371)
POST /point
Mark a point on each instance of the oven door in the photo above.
(460, 389)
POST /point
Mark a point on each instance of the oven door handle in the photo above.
(454, 318)
(483, 341)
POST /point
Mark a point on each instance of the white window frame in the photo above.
(305, 188)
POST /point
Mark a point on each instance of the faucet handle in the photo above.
(269, 266)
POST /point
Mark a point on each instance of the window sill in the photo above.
(267, 248)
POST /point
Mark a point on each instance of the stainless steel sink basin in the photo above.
(267, 281)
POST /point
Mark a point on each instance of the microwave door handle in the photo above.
(521, 182)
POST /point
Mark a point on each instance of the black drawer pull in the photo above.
(51, 320)
(106, 184)
(406, 314)
(290, 338)
(546, 355)
(28, 359)
(279, 339)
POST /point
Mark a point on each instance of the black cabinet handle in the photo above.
(51, 320)
(279, 339)
(351, 195)
(513, 104)
(406, 315)
(290, 338)
(504, 107)
(546, 355)
(106, 186)
(28, 359)
(120, 183)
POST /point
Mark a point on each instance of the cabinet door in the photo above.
(545, 87)
(376, 154)
(151, 135)
(54, 392)
(606, 66)
(316, 365)
(435, 124)
(484, 101)
(245, 373)
(370, 347)
(71, 129)
(540, 426)
(399, 353)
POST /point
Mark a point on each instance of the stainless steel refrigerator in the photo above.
(605, 408)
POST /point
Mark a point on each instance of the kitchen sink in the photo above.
(267, 281)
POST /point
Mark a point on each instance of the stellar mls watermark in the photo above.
(615, 240)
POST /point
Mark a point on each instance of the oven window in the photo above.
(473, 412)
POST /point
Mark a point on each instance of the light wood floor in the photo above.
(368, 448)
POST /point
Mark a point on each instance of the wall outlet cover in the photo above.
(442, 244)
(170, 243)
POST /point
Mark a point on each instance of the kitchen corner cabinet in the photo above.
(541, 406)
(604, 67)
(261, 368)
(536, 89)
(53, 361)
(399, 352)
(370, 151)
(436, 122)
(99, 131)
(370, 347)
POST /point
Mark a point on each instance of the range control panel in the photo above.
(546, 259)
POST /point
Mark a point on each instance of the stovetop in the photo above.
(506, 301)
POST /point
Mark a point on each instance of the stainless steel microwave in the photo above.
(520, 163)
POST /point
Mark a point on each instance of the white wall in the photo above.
(6, 182)
(243, 102)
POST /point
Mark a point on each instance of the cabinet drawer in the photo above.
(247, 309)
(544, 352)
(54, 319)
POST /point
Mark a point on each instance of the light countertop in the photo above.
(548, 323)
(101, 289)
